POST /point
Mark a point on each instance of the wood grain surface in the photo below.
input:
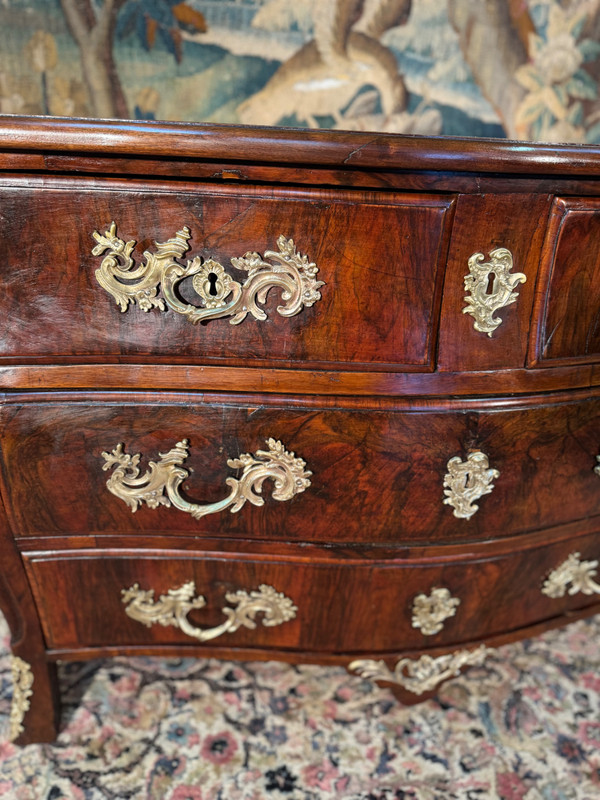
(566, 325)
(381, 257)
(342, 608)
(377, 473)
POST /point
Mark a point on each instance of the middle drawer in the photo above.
(443, 471)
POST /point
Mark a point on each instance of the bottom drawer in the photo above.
(102, 599)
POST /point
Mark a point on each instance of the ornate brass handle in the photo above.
(284, 469)
(580, 574)
(467, 481)
(220, 295)
(173, 607)
(423, 674)
(492, 275)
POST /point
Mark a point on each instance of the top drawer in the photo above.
(381, 258)
(566, 319)
(490, 280)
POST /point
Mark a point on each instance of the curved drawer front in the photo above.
(490, 281)
(217, 257)
(447, 473)
(566, 311)
(147, 599)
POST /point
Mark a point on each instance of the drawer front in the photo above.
(490, 281)
(380, 257)
(315, 607)
(382, 475)
(566, 328)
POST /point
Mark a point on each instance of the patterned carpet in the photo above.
(526, 726)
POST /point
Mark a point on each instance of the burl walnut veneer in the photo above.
(317, 396)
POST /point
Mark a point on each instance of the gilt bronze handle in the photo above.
(173, 608)
(155, 283)
(571, 577)
(159, 486)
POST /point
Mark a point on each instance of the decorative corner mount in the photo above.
(160, 484)
(22, 679)
(490, 286)
(173, 607)
(220, 295)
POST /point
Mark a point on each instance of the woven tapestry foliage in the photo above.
(525, 69)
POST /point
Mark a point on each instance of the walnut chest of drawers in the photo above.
(322, 397)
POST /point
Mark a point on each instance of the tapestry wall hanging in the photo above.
(524, 69)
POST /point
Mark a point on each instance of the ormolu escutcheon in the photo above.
(490, 286)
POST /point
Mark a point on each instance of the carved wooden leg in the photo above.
(35, 712)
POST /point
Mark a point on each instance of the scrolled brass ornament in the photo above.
(423, 674)
(580, 574)
(159, 486)
(155, 283)
(496, 275)
(429, 612)
(467, 481)
(22, 680)
(173, 608)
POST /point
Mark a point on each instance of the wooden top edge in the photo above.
(324, 148)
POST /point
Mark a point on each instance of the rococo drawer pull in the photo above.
(424, 674)
(173, 607)
(580, 574)
(220, 295)
(277, 464)
(491, 286)
(429, 612)
(467, 481)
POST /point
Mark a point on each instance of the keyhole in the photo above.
(212, 280)
(491, 281)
